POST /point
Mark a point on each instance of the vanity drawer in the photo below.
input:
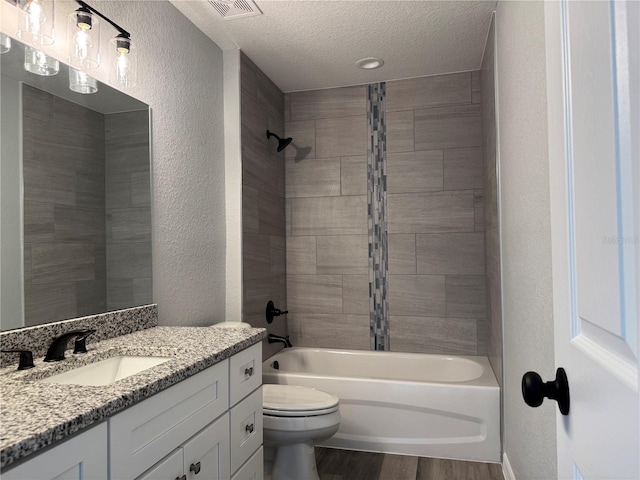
(246, 428)
(245, 373)
(253, 469)
(145, 433)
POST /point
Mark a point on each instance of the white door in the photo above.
(594, 136)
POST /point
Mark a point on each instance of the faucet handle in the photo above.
(26, 358)
(80, 344)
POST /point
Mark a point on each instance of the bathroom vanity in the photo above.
(197, 415)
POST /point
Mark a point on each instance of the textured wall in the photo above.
(491, 217)
(263, 210)
(180, 77)
(64, 208)
(530, 434)
(435, 220)
(128, 209)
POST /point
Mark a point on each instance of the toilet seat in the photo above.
(296, 401)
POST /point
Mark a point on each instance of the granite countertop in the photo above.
(36, 414)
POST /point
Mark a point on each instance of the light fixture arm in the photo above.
(122, 31)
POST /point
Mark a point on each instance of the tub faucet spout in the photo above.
(277, 338)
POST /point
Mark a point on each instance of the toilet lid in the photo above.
(296, 401)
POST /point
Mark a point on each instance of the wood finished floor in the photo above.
(349, 465)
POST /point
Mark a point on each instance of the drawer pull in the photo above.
(248, 371)
(249, 428)
(195, 468)
(183, 477)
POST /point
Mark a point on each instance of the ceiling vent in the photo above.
(230, 9)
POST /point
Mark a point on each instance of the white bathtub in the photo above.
(404, 403)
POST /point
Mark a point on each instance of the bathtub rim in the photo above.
(486, 380)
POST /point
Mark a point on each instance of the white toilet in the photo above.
(295, 419)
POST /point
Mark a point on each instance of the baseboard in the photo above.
(507, 471)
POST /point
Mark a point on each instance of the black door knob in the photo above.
(534, 390)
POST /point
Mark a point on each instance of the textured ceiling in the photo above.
(311, 44)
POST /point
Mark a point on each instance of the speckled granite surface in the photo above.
(35, 414)
(107, 325)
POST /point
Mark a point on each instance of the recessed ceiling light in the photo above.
(369, 63)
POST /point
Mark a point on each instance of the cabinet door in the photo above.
(147, 432)
(206, 455)
(253, 469)
(170, 468)
(246, 428)
(245, 373)
(83, 457)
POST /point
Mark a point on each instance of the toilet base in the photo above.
(295, 462)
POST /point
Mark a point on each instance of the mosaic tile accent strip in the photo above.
(107, 325)
(377, 212)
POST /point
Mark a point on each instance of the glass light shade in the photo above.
(122, 62)
(5, 43)
(82, 82)
(39, 63)
(83, 40)
(35, 21)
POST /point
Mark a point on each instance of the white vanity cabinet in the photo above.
(83, 457)
(206, 427)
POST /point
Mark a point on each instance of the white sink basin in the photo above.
(106, 372)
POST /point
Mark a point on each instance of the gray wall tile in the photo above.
(330, 331)
(58, 262)
(341, 137)
(411, 172)
(342, 254)
(250, 209)
(271, 213)
(303, 145)
(475, 86)
(355, 294)
(431, 212)
(314, 293)
(448, 127)
(417, 295)
(313, 177)
(466, 296)
(425, 92)
(463, 168)
(328, 103)
(301, 255)
(353, 175)
(329, 216)
(450, 254)
(400, 131)
(402, 253)
(478, 208)
(433, 335)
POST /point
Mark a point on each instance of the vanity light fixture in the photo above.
(83, 39)
(122, 58)
(35, 21)
(36, 61)
(82, 82)
(5, 43)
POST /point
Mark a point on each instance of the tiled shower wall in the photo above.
(437, 284)
(263, 209)
(64, 227)
(491, 219)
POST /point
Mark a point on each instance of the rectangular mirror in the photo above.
(75, 225)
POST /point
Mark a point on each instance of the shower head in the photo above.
(282, 142)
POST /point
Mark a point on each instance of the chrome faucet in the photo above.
(278, 339)
(59, 344)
